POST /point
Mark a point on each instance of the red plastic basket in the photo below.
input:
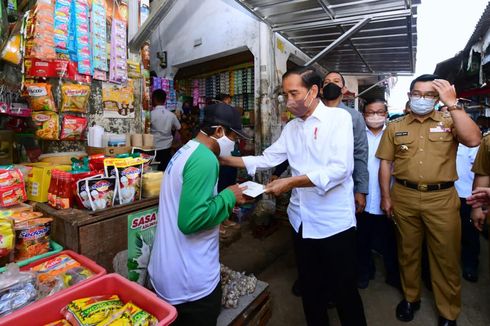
(48, 309)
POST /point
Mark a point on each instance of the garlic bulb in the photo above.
(234, 285)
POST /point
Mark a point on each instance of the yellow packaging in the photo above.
(151, 184)
(37, 184)
(9, 211)
(130, 315)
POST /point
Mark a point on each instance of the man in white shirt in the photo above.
(374, 229)
(470, 236)
(163, 123)
(319, 147)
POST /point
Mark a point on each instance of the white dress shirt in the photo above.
(373, 198)
(320, 147)
(464, 162)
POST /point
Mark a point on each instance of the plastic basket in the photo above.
(48, 309)
(55, 248)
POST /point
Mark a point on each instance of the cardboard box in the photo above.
(37, 183)
(108, 151)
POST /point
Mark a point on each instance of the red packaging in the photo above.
(53, 187)
(64, 195)
(73, 127)
(13, 195)
(79, 176)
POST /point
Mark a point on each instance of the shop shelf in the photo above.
(55, 248)
(48, 309)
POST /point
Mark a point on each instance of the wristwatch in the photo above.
(455, 106)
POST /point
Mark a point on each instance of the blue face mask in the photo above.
(422, 106)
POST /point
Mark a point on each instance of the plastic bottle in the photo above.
(64, 196)
(53, 186)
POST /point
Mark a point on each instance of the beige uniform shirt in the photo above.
(422, 152)
(481, 165)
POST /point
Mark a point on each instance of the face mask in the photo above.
(331, 91)
(422, 106)
(299, 108)
(226, 145)
(375, 122)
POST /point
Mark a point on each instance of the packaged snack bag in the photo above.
(102, 192)
(48, 125)
(130, 314)
(40, 97)
(7, 237)
(13, 195)
(73, 127)
(74, 98)
(129, 180)
(10, 177)
(32, 238)
(25, 216)
(91, 310)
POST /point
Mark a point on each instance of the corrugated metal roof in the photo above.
(481, 28)
(383, 40)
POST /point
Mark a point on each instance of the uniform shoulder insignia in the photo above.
(396, 119)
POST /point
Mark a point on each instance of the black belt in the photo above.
(423, 187)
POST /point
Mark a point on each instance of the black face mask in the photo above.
(331, 91)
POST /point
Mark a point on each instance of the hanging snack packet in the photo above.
(91, 310)
(32, 238)
(7, 237)
(40, 97)
(48, 125)
(73, 127)
(129, 174)
(147, 154)
(74, 98)
(102, 192)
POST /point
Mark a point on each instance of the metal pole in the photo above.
(354, 29)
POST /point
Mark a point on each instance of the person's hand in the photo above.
(478, 217)
(238, 192)
(387, 206)
(447, 92)
(278, 186)
(360, 199)
(273, 178)
(479, 197)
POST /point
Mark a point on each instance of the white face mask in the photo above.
(226, 145)
(422, 106)
(375, 122)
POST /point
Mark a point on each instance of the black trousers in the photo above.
(163, 157)
(202, 312)
(470, 239)
(376, 232)
(329, 264)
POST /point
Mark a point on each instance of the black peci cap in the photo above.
(226, 116)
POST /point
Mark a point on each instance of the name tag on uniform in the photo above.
(401, 133)
(440, 129)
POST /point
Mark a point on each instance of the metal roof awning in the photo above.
(375, 37)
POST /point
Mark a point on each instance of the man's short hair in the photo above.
(309, 77)
(423, 78)
(336, 72)
(159, 96)
(374, 100)
(222, 97)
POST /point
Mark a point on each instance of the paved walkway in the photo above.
(272, 261)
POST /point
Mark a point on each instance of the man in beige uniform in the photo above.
(419, 150)
(481, 168)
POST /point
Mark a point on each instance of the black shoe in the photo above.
(470, 276)
(405, 310)
(296, 289)
(446, 322)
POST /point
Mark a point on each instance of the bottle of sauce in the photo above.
(64, 196)
(53, 186)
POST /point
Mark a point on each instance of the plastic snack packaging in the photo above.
(41, 42)
(17, 289)
(7, 237)
(74, 98)
(11, 51)
(10, 177)
(40, 97)
(129, 174)
(32, 238)
(73, 127)
(12, 187)
(130, 314)
(102, 192)
(61, 322)
(48, 125)
(91, 310)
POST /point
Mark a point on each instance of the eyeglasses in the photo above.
(372, 114)
(428, 96)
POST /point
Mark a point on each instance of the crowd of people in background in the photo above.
(413, 189)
